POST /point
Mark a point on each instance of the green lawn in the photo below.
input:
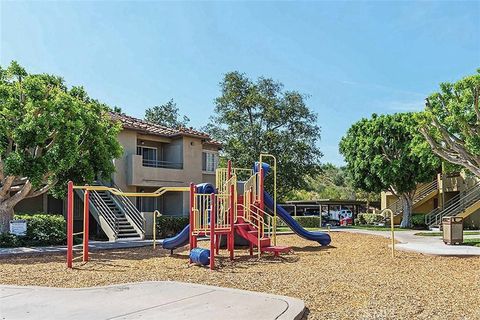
(439, 234)
(472, 242)
(285, 229)
(375, 228)
(371, 228)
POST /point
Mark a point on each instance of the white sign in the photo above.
(18, 227)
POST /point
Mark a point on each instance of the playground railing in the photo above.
(259, 219)
(250, 189)
(201, 213)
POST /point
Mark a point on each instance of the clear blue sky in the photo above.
(352, 58)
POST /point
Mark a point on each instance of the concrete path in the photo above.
(432, 245)
(145, 300)
(92, 245)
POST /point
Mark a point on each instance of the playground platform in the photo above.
(145, 300)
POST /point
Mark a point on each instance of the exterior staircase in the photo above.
(462, 205)
(116, 215)
(422, 194)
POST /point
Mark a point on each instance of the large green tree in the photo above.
(451, 122)
(252, 117)
(332, 182)
(166, 115)
(49, 134)
(382, 153)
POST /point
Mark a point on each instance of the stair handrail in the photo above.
(254, 216)
(131, 210)
(105, 212)
(462, 202)
(429, 217)
(420, 194)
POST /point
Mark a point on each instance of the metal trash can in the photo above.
(452, 230)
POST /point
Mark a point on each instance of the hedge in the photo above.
(418, 221)
(369, 219)
(304, 221)
(168, 226)
(42, 230)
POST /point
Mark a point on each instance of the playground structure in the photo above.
(235, 207)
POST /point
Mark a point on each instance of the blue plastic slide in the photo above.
(183, 237)
(177, 241)
(321, 237)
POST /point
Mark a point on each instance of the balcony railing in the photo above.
(162, 164)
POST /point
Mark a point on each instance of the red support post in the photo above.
(231, 235)
(70, 225)
(212, 231)
(192, 222)
(86, 215)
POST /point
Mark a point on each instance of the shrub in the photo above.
(8, 240)
(308, 222)
(372, 218)
(42, 230)
(168, 226)
(418, 221)
(360, 219)
(304, 221)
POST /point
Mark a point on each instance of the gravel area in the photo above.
(355, 278)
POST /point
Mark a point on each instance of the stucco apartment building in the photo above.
(154, 156)
(451, 194)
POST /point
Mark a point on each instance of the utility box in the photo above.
(452, 230)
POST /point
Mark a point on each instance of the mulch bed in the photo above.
(355, 278)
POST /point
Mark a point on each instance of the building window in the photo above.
(209, 161)
(149, 155)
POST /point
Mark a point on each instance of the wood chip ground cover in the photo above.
(355, 278)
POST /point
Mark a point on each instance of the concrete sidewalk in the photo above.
(145, 300)
(92, 245)
(432, 245)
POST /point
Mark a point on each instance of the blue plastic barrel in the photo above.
(200, 256)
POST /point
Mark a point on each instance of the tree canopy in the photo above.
(166, 115)
(451, 122)
(382, 153)
(49, 134)
(332, 182)
(260, 116)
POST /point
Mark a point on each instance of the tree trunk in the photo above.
(407, 201)
(6, 214)
(8, 203)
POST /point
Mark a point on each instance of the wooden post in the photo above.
(86, 231)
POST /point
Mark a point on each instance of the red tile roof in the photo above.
(146, 127)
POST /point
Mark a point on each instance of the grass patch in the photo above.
(375, 228)
(475, 242)
(285, 229)
(439, 234)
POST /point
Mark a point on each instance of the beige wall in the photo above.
(131, 175)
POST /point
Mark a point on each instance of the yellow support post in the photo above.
(266, 155)
(155, 213)
(392, 230)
